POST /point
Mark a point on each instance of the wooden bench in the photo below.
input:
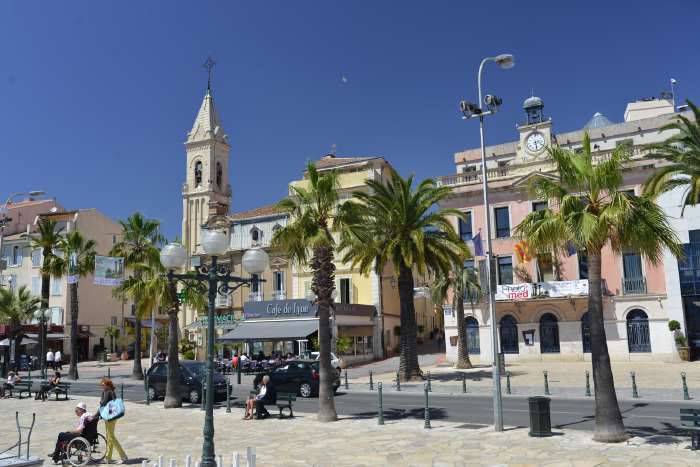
(284, 401)
(22, 387)
(690, 420)
(61, 388)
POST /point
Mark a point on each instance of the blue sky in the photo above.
(96, 97)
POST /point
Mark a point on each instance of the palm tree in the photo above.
(48, 238)
(682, 151)
(77, 261)
(314, 219)
(396, 223)
(139, 248)
(464, 285)
(593, 210)
(15, 310)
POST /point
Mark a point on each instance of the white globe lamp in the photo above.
(214, 242)
(255, 261)
(173, 256)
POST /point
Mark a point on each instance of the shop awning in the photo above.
(25, 341)
(50, 336)
(271, 330)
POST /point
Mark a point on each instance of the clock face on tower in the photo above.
(535, 142)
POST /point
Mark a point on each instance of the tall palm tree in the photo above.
(396, 223)
(78, 260)
(682, 150)
(47, 238)
(314, 217)
(16, 309)
(139, 248)
(463, 283)
(592, 211)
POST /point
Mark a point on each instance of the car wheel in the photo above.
(305, 390)
(152, 393)
(194, 396)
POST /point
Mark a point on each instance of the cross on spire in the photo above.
(209, 64)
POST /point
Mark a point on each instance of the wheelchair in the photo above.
(89, 446)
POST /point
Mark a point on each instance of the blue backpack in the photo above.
(113, 410)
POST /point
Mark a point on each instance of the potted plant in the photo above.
(680, 339)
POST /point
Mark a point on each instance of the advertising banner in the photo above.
(565, 288)
(514, 292)
(109, 270)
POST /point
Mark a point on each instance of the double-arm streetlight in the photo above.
(42, 316)
(470, 110)
(218, 280)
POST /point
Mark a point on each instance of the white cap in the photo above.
(81, 405)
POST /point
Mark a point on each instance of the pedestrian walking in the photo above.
(49, 359)
(57, 360)
(108, 394)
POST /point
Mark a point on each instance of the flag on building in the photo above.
(478, 247)
(522, 250)
(570, 248)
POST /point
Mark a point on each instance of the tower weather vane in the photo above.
(209, 64)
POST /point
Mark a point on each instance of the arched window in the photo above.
(219, 174)
(198, 173)
(638, 339)
(549, 334)
(508, 330)
(472, 325)
(255, 234)
(586, 332)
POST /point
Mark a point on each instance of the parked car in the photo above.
(335, 361)
(192, 376)
(297, 376)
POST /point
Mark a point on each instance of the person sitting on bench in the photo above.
(12, 378)
(46, 388)
(267, 394)
(64, 437)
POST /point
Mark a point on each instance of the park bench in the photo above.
(284, 401)
(61, 388)
(690, 420)
(21, 387)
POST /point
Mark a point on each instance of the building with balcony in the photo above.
(541, 307)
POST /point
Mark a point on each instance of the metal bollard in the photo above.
(686, 395)
(546, 383)
(427, 407)
(588, 384)
(371, 381)
(430, 387)
(347, 386)
(228, 395)
(109, 372)
(122, 391)
(148, 398)
(464, 383)
(398, 381)
(380, 419)
(635, 393)
(507, 382)
(250, 456)
(204, 396)
(238, 371)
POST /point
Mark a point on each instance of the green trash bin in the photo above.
(540, 421)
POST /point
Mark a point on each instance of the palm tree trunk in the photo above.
(137, 372)
(172, 395)
(408, 361)
(463, 361)
(73, 371)
(18, 341)
(323, 285)
(608, 420)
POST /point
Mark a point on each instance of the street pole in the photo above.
(208, 455)
(497, 402)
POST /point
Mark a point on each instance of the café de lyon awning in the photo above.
(272, 330)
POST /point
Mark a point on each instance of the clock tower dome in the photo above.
(536, 133)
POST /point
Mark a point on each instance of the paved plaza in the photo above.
(147, 432)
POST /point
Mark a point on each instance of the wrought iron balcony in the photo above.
(279, 295)
(255, 296)
(634, 286)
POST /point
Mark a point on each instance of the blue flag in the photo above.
(478, 247)
(570, 248)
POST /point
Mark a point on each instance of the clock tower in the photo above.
(536, 134)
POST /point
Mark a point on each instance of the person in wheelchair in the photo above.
(86, 427)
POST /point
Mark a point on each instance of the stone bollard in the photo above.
(507, 382)
(371, 381)
(250, 456)
(635, 393)
(546, 383)
(236, 460)
(427, 407)
(380, 419)
(347, 386)
(398, 381)
(430, 387)
(464, 383)
(588, 384)
(686, 395)
(228, 395)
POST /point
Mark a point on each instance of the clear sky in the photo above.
(96, 97)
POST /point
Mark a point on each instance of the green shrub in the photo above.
(188, 355)
(674, 325)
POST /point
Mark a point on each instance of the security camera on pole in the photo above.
(471, 110)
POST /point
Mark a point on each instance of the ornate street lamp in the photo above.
(42, 316)
(218, 280)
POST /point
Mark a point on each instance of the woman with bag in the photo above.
(109, 395)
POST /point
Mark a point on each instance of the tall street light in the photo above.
(218, 280)
(42, 316)
(470, 110)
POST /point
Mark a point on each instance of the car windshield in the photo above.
(197, 369)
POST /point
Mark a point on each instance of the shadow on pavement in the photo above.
(402, 414)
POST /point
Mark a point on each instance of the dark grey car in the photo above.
(192, 375)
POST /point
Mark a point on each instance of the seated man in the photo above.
(266, 395)
(64, 437)
(7, 387)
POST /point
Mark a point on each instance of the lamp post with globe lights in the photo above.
(218, 280)
(42, 316)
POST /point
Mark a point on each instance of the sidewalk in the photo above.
(147, 432)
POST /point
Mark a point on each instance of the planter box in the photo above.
(684, 353)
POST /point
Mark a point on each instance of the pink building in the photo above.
(541, 304)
